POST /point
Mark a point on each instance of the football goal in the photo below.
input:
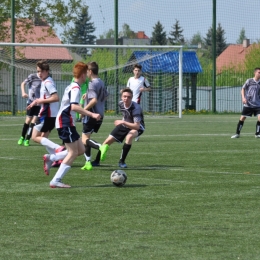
(161, 65)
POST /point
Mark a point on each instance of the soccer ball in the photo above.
(118, 178)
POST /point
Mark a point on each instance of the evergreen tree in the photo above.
(176, 33)
(82, 33)
(242, 36)
(158, 35)
(220, 41)
(196, 39)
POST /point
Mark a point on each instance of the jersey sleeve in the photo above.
(75, 95)
(50, 87)
(146, 83)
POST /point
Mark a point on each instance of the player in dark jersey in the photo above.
(33, 82)
(95, 102)
(131, 126)
(250, 93)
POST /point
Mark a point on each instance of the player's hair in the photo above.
(128, 90)
(257, 68)
(92, 65)
(138, 66)
(79, 69)
(43, 65)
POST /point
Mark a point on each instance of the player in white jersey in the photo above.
(33, 81)
(66, 126)
(49, 101)
(131, 126)
(95, 102)
(138, 84)
(250, 94)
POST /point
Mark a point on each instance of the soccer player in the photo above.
(251, 103)
(49, 101)
(33, 81)
(138, 84)
(95, 102)
(131, 126)
(66, 126)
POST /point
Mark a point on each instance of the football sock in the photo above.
(98, 156)
(25, 129)
(59, 156)
(93, 144)
(125, 150)
(29, 133)
(63, 169)
(49, 145)
(239, 126)
(257, 128)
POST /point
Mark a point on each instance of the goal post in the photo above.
(161, 65)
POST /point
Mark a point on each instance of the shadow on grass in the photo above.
(115, 187)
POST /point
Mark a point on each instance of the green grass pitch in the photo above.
(192, 193)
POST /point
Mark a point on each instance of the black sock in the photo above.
(98, 157)
(125, 150)
(257, 132)
(93, 144)
(25, 129)
(239, 126)
(29, 133)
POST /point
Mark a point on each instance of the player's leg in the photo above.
(34, 111)
(75, 148)
(25, 127)
(257, 132)
(246, 112)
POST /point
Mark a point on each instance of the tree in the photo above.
(108, 34)
(127, 32)
(220, 41)
(57, 14)
(158, 35)
(176, 33)
(242, 36)
(196, 39)
(81, 33)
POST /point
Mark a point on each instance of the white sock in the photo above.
(88, 158)
(49, 145)
(63, 169)
(59, 156)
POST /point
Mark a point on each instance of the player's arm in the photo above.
(24, 94)
(53, 98)
(134, 126)
(91, 104)
(244, 101)
(80, 110)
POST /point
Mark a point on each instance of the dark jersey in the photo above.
(252, 93)
(34, 85)
(132, 114)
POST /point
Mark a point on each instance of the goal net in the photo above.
(161, 65)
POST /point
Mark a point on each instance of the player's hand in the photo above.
(96, 116)
(24, 95)
(84, 96)
(118, 122)
(244, 100)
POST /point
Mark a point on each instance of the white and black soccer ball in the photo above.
(118, 178)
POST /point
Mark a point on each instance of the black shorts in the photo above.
(249, 111)
(34, 111)
(68, 134)
(91, 126)
(46, 125)
(120, 132)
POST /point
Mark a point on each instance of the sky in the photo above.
(193, 15)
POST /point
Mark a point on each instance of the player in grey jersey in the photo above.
(130, 127)
(250, 93)
(33, 81)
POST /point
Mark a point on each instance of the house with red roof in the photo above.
(233, 56)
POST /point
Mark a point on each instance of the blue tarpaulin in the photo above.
(164, 62)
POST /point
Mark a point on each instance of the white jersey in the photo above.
(65, 117)
(48, 109)
(135, 84)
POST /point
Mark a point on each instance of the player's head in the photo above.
(257, 73)
(80, 72)
(93, 68)
(126, 95)
(137, 70)
(43, 69)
